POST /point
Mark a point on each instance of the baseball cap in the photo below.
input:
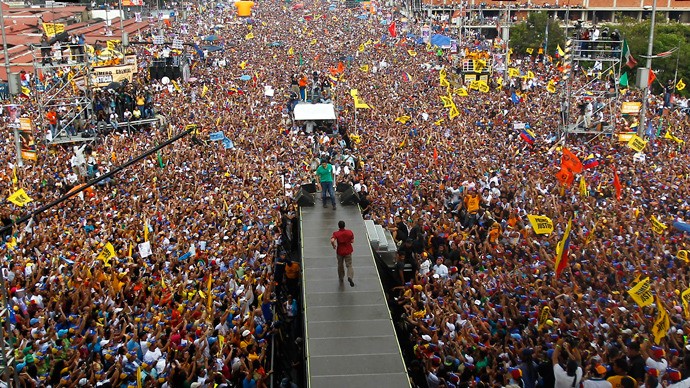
(652, 371)
(673, 375)
(515, 373)
(600, 369)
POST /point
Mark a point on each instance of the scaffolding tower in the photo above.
(590, 99)
(65, 87)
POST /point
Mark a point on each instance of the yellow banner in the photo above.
(685, 298)
(641, 292)
(657, 226)
(540, 224)
(631, 108)
(52, 29)
(462, 92)
(106, 254)
(102, 76)
(636, 143)
(19, 198)
(513, 72)
(661, 324)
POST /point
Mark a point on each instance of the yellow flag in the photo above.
(249, 36)
(361, 48)
(530, 51)
(402, 119)
(680, 85)
(26, 91)
(641, 292)
(146, 231)
(499, 83)
(19, 198)
(540, 224)
(14, 175)
(359, 104)
(670, 136)
(138, 377)
(12, 244)
(177, 86)
(442, 78)
(683, 255)
(291, 51)
(551, 86)
(530, 74)
(561, 53)
(474, 85)
(636, 143)
(364, 68)
(513, 72)
(439, 121)
(204, 91)
(685, 298)
(242, 65)
(543, 316)
(208, 291)
(313, 42)
(130, 249)
(661, 324)
(412, 53)
(106, 254)
(583, 187)
(447, 101)
(478, 65)
(462, 92)
(482, 86)
(657, 226)
(453, 112)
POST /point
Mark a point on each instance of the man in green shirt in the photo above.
(324, 177)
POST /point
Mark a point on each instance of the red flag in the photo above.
(617, 184)
(435, 155)
(651, 78)
(341, 67)
(571, 162)
(392, 30)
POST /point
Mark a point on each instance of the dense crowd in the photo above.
(201, 308)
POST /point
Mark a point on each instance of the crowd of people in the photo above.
(180, 270)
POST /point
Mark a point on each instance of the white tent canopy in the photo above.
(314, 112)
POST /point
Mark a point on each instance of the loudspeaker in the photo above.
(309, 188)
(349, 197)
(342, 187)
(304, 198)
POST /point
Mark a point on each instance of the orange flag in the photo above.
(341, 67)
(565, 177)
(571, 162)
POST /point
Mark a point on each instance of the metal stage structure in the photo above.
(349, 333)
(590, 107)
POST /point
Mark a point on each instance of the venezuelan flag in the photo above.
(590, 162)
(406, 77)
(562, 249)
(528, 136)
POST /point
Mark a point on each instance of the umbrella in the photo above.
(297, 6)
(211, 38)
(245, 77)
(276, 44)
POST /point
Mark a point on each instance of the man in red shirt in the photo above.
(342, 240)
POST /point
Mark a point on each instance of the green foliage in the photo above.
(531, 33)
(667, 36)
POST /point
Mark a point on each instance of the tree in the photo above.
(531, 33)
(667, 36)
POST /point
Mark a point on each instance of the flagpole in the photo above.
(645, 95)
(675, 75)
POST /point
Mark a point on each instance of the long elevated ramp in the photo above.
(349, 334)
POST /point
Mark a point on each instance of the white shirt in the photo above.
(596, 383)
(151, 356)
(565, 381)
(441, 270)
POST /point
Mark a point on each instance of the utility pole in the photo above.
(506, 38)
(648, 65)
(8, 70)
